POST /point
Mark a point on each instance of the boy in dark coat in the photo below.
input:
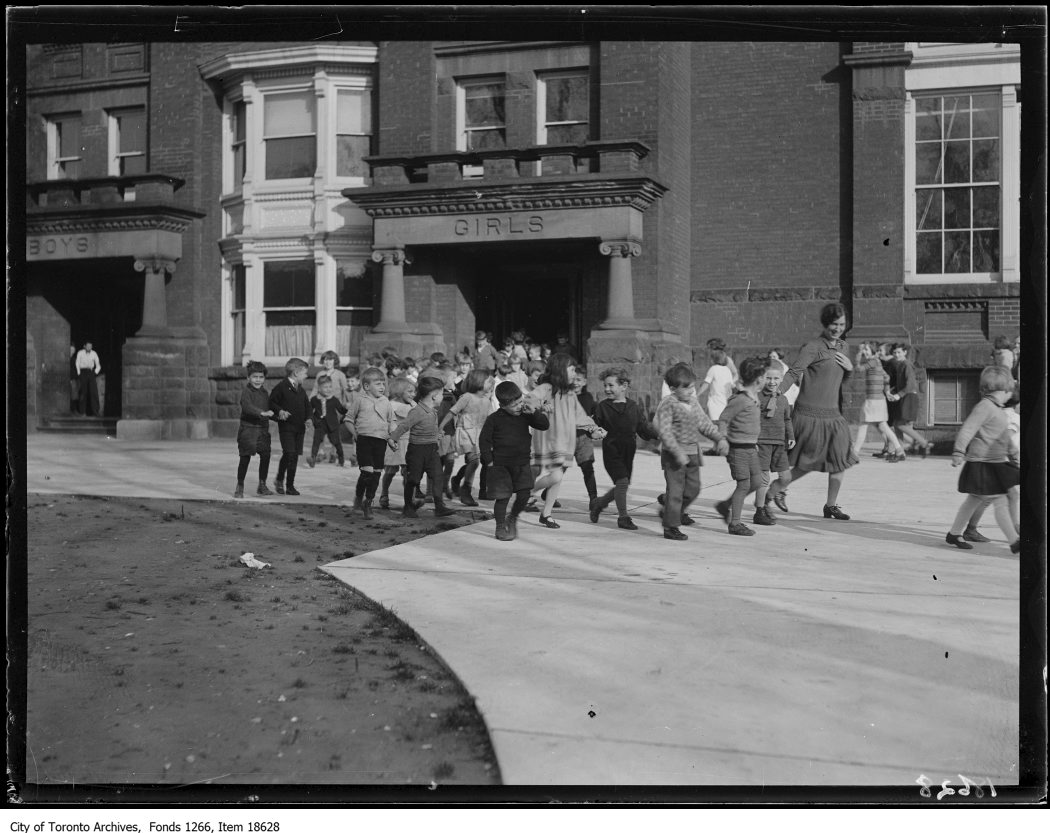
(289, 402)
(253, 434)
(327, 412)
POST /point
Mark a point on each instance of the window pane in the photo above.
(289, 284)
(68, 131)
(288, 114)
(986, 207)
(350, 327)
(956, 252)
(928, 210)
(131, 165)
(350, 152)
(355, 111)
(957, 162)
(945, 410)
(239, 114)
(567, 99)
(927, 126)
(567, 134)
(291, 158)
(69, 170)
(238, 287)
(131, 128)
(928, 253)
(956, 117)
(928, 164)
(353, 290)
(238, 336)
(484, 105)
(239, 166)
(486, 140)
(986, 251)
(986, 115)
(986, 160)
(957, 208)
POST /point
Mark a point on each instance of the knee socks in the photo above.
(619, 492)
(499, 508)
(242, 467)
(264, 467)
(286, 468)
(372, 484)
(388, 478)
(738, 498)
(588, 480)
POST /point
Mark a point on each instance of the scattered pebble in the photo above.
(256, 720)
(295, 720)
(386, 728)
(433, 714)
(427, 746)
(190, 759)
(282, 699)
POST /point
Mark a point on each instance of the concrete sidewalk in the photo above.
(817, 652)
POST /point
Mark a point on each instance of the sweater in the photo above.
(253, 402)
(818, 374)
(622, 420)
(876, 379)
(680, 426)
(291, 398)
(776, 427)
(740, 421)
(985, 436)
(506, 439)
(422, 425)
(370, 416)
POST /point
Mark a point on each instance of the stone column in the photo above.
(393, 318)
(621, 287)
(154, 302)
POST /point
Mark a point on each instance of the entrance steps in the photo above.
(73, 424)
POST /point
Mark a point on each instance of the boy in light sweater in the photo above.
(741, 422)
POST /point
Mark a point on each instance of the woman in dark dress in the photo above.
(822, 435)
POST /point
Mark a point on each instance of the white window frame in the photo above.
(542, 78)
(474, 171)
(935, 377)
(113, 124)
(302, 86)
(950, 69)
(55, 162)
(355, 85)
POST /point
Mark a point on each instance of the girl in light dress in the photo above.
(469, 413)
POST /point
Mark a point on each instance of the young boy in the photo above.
(584, 453)
(776, 437)
(370, 418)
(253, 434)
(484, 355)
(289, 401)
(741, 422)
(422, 455)
(680, 422)
(622, 418)
(327, 412)
(505, 445)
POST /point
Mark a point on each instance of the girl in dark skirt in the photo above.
(990, 469)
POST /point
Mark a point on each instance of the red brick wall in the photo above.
(406, 99)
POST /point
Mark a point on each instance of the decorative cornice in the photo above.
(956, 306)
(620, 248)
(447, 50)
(741, 294)
(154, 264)
(582, 192)
(330, 56)
(887, 57)
(80, 224)
(388, 257)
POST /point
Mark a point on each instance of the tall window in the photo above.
(63, 146)
(353, 316)
(289, 306)
(353, 132)
(958, 196)
(237, 309)
(951, 396)
(238, 136)
(563, 101)
(483, 114)
(127, 141)
(289, 135)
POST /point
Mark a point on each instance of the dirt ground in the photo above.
(156, 657)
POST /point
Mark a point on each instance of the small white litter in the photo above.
(249, 560)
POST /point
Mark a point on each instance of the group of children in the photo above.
(521, 434)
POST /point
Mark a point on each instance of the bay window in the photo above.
(353, 132)
(289, 135)
(289, 307)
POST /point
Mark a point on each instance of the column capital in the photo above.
(620, 248)
(154, 264)
(390, 257)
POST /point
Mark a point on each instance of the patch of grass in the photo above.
(113, 604)
(142, 600)
(276, 599)
(427, 686)
(344, 649)
(299, 683)
(403, 673)
(457, 718)
(299, 559)
(235, 596)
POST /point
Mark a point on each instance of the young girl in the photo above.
(989, 474)
(584, 454)
(875, 409)
(740, 422)
(517, 375)
(536, 370)
(469, 413)
(402, 398)
(718, 384)
(622, 418)
(553, 450)
(340, 390)
(905, 392)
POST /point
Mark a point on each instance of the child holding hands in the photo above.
(253, 434)
(505, 448)
(680, 422)
(741, 423)
(621, 418)
(402, 398)
(327, 412)
(370, 418)
(469, 413)
(990, 468)
(290, 403)
(422, 455)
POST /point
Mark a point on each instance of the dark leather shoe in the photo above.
(780, 499)
(672, 534)
(686, 521)
(547, 521)
(739, 529)
(1015, 547)
(836, 513)
(957, 541)
(291, 490)
(722, 508)
(279, 488)
(626, 523)
(763, 518)
(263, 490)
(596, 511)
(975, 537)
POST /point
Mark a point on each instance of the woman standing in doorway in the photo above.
(822, 435)
(88, 367)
